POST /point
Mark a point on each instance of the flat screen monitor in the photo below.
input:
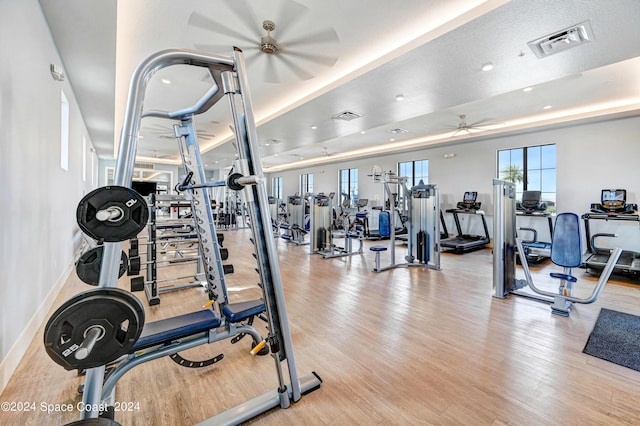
(619, 195)
(470, 197)
(144, 188)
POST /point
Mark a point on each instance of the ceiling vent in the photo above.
(397, 131)
(347, 116)
(562, 40)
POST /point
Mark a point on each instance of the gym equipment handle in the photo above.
(88, 343)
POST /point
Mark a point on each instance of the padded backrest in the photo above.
(566, 245)
(384, 224)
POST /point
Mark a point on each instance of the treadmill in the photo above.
(463, 243)
(536, 251)
(613, 206)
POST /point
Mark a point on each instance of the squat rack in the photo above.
(229, 76)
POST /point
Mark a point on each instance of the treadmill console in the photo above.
(469, 202)
(531, 203)
(613, 202)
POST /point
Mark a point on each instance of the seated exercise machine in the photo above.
(324, 234)
(613, 208)
(566, 252)
(106, 325)
(463, 243)
(423, 229)
(297, 228)
(531, 208)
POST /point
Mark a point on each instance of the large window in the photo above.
(415, 171)
(276, 189)
(306, 183)
(531, 168)
(349, 185)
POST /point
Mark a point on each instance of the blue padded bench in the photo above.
(166, 330)
(236, 312)
(566, 245)
(377, 250)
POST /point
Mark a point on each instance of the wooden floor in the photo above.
(401, 347)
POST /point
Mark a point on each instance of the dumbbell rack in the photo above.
(150, 285)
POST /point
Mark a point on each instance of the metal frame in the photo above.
(229, 75)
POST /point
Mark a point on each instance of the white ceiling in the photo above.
(356, 56)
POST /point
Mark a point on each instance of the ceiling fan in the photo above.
(463, 126)
(326, 153)
(268, 45)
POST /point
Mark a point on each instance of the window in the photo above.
(531, 169)
(414, 171)
(306, 183)
(64, 132)
(349, 185)
(277, 188)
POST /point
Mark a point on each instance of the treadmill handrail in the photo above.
(604, 277)
(594, 247)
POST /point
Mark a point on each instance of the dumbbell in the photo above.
(134, 244)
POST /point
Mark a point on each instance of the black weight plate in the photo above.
(118, 312)
(135, 214)
(134, 266)
(89, 264)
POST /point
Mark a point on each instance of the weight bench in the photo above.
(169, 336)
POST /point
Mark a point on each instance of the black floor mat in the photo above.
(616, 338)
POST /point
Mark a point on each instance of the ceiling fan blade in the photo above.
(214, 48)
(200, 21)
(302, 74)
(486, 120)
(270, 73)
(289, 12)
(245, 14)
(251, 57)
(328, 61)
(327, 35)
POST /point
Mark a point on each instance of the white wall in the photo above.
(590, 157)
(37, 218)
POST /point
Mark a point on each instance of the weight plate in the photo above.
(89, 264)
(131, 215)
(117, 312)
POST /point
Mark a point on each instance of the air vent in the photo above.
(145, 166)
(347, 116)
(397, 131)
(562, 40)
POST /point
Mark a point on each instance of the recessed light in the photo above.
(362, 132)
(547, 107)
(399, 98)
(392, 140)
(166, 81)
(216, 161)
(275, 155)
(527, 89)
(487, 67)
(267, 144)
(314, 127)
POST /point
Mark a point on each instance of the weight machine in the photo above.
(420, 214)
(78, 336)
(565, 252)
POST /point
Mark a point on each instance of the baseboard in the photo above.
(14, 356)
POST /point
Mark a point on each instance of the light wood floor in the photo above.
(406, 346)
